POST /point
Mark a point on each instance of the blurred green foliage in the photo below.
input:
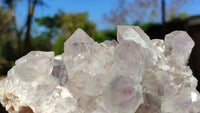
(68, 23)
(41, 44)
(8, 44)
(58, 46)
(105, 35)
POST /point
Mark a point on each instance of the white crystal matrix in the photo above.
(133, 75)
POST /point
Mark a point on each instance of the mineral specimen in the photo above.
(133, 75)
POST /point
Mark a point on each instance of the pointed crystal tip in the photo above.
(134, 33)
(79, 36)
(179, 45)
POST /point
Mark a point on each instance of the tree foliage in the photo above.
(7, 40)
(58, 46)
(68, 23)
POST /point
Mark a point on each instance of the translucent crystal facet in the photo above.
(33, 65)
(134, 33)
(133, 75)
(179, 45)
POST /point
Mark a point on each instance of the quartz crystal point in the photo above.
(77, 52)
(179, 46)
(133, 33)
(133, 75)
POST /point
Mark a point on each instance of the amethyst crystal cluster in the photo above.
(131, 75)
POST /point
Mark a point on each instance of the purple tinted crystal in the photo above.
(60, 72)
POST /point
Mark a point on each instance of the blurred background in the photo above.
(27, 25)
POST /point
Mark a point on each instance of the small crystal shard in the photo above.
(133, 75)
(59, 71)
(77, 51)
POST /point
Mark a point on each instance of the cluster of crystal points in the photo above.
(133, 75)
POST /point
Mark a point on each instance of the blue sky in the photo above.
(95, 9)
